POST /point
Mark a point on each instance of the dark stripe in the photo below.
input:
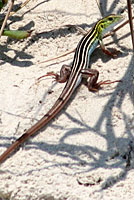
(80, 52)
(79, 63)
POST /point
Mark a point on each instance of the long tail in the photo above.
(56, 108)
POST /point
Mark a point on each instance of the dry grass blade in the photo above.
(65, 54)
(21, 6)
(6, 17)
(130, 21)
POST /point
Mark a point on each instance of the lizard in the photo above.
(73, 75)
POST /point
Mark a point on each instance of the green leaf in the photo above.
(16, 34)
(2, 3)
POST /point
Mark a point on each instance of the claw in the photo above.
(107, 82)
(48, 74)
(96, 86)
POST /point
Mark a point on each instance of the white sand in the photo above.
(81, 154)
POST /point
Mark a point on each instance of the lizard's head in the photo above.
(107, 23)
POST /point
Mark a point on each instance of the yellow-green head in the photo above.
(107, 23)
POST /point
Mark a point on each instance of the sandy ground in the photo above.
(83, 153)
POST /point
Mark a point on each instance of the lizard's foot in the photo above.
(60, 78)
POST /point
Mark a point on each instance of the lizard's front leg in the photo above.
(106, 51)
(92, 76)
(62, 77)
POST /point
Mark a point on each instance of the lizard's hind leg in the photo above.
(92, 76)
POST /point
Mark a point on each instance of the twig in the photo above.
(78, 28)
(130, 21)
(6, 17)
(65, 54)
(21, 6)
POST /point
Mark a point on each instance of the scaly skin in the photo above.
(80, 68)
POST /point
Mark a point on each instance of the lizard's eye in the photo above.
(110, 19)
(102, 26)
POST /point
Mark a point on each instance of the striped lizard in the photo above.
(73, 76)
